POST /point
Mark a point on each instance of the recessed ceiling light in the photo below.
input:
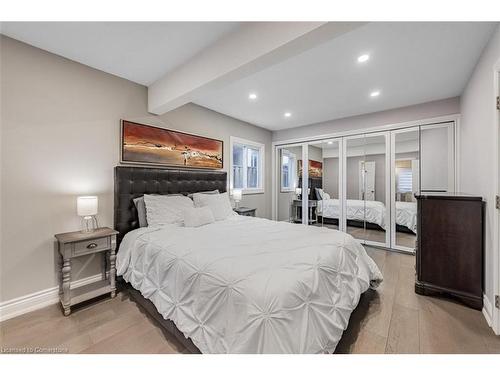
(375, 93)
(287, 114)
(363, 58)
(330, 143)
(252, 96)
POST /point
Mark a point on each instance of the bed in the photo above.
(374, 212)
(239, 285)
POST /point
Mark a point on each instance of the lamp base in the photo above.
(89, 224)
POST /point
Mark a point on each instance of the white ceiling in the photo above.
(141, 52)
(410, 63)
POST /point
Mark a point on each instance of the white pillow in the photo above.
(326, 196)
(320, 192)
(196, 217)
(219, 204)
(165, 209)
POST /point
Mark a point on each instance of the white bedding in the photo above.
(406, 212)
(250, 285)
(374, 212)
(406, 215)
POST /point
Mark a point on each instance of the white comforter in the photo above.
(373, 212)
(249, 285)
(406, 215)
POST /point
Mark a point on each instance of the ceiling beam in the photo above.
(251, 48)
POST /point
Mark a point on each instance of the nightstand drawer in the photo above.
(90, 246)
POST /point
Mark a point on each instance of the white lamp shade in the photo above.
(237, 195)
(86, 206)
(298, 191)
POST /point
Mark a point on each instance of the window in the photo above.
(288, 172)
(405, 180)
(247, 166)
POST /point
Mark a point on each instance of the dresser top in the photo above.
(82, 236)
(448, 195)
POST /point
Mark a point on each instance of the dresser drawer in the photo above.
(89, 246)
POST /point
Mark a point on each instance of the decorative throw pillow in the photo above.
(319, 193)
(204, 192)
(198, 216)
(165, 209)
(219, 204)
(141, 208)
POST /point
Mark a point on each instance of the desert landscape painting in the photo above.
(315, 168)
(151, 145)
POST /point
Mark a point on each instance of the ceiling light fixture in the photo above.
(287, 114)
(252, 96)
(363, 58)
(375, 93)
(330, 143)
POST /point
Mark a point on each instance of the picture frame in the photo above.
(151, 145)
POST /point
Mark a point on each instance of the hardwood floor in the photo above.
(392, 319)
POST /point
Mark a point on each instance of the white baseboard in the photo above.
(34, 301)
(487, 309)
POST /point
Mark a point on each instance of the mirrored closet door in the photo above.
(375, 177)
(405, 182)
(289, 191)
(324, 176)
(422, 160)
(365, 184)
(354, 187)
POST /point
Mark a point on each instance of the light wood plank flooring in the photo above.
(392, 319)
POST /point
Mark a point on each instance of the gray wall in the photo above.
(331, 177)
(393, 116)
(60, 139)
(477, 146)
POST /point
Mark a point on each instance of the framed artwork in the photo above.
(315, 168)
(145, 144)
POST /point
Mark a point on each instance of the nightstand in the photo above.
(297, 211)
(76, 244)
(245, 211)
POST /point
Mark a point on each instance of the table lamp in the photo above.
(86, 207)
(237, 195)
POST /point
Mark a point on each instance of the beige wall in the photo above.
(60, 139)
(477, 146)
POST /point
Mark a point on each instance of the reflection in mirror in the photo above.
(406, 160)
(437, 158)
(372, 177)
(289, 188)
(314, 180)
(355, 204)
(327, 195)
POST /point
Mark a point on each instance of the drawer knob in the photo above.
(92, 245)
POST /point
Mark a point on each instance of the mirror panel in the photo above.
(288, 184)
(437, 158)
(406, 184)
(373, 174)
(354, 206)
(328, 194)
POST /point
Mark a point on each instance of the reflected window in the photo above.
(288, 171)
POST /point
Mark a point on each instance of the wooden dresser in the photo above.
(449, 247)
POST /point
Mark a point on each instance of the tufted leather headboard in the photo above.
(132, 182)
